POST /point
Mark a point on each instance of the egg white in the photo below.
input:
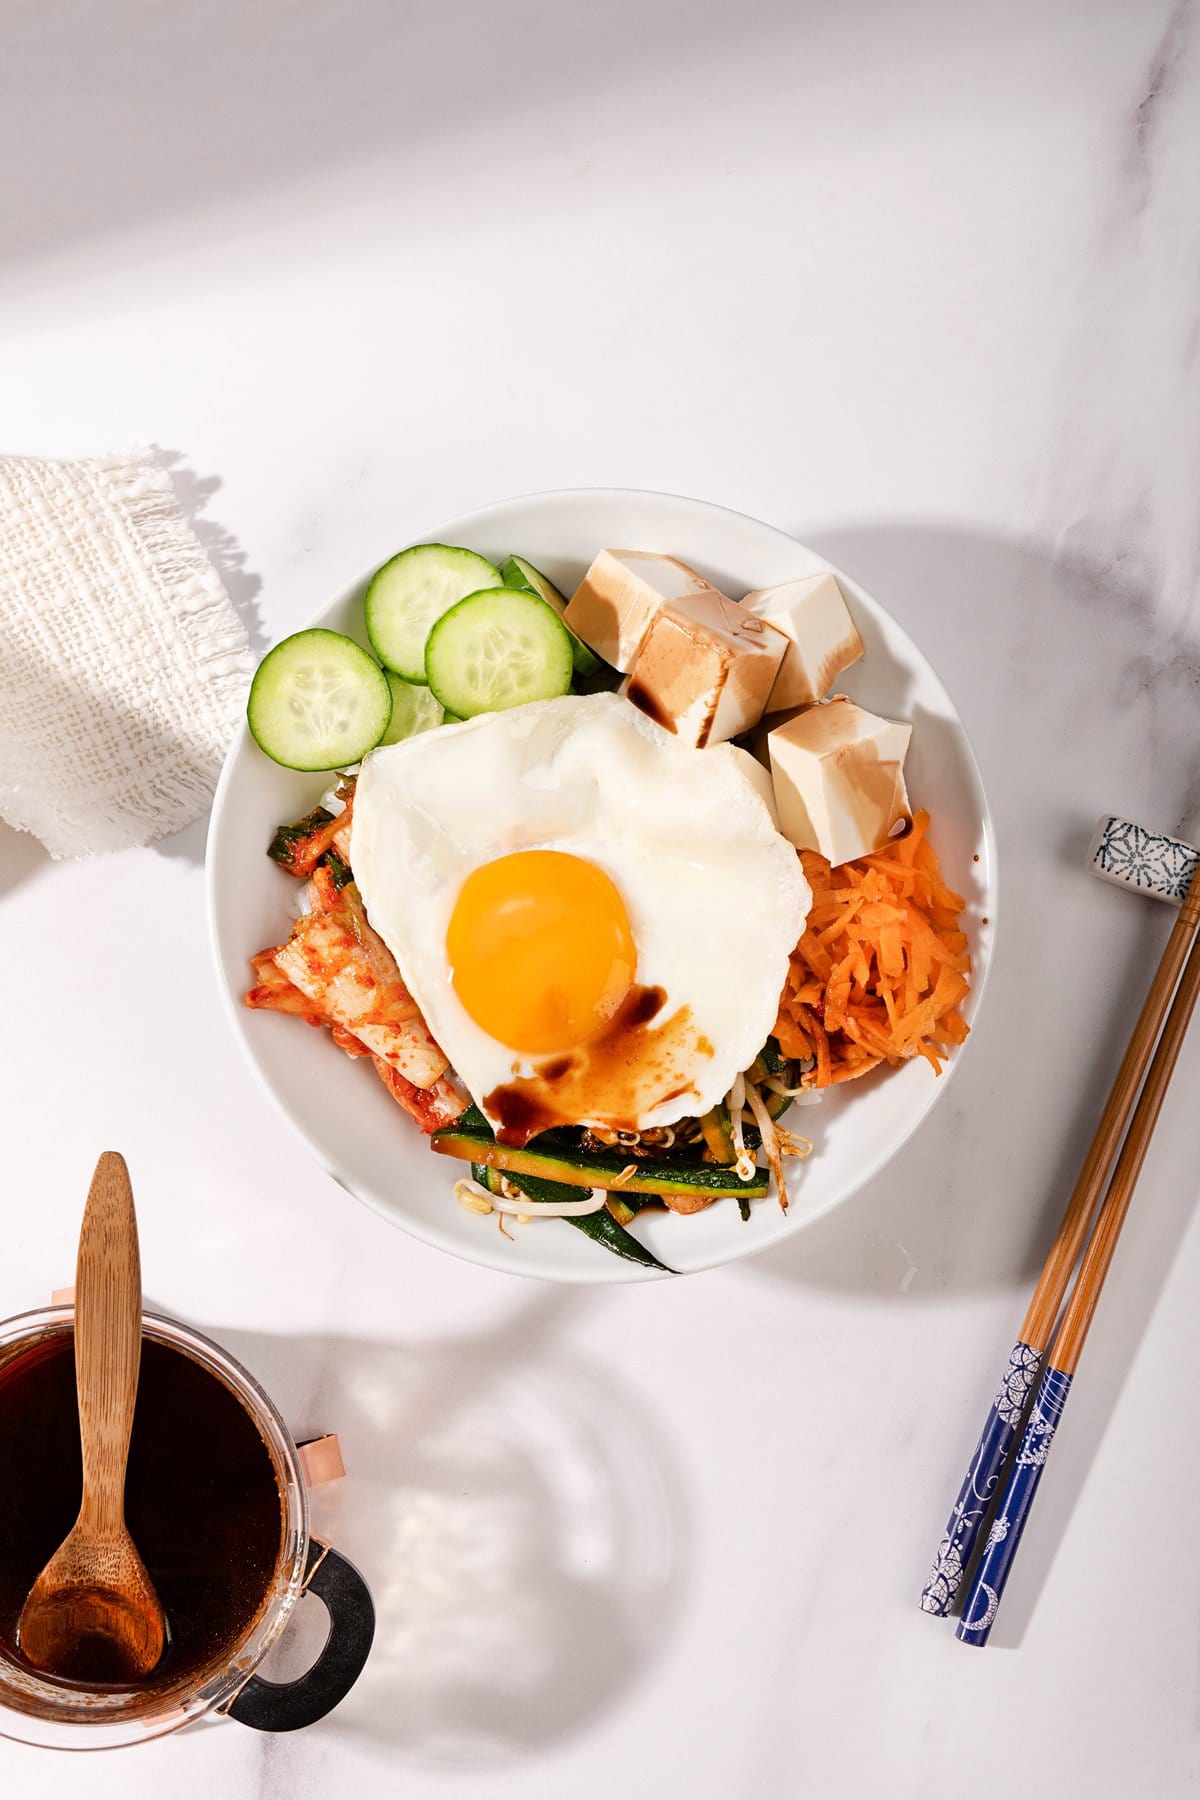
(716, 898)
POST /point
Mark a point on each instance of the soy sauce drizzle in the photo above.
(621, 1073)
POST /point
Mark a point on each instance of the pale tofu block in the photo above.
(838, 773)
(822, 638)
(758, 777)
(706, 668)
(621, 595)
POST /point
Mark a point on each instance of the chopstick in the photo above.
(1024, 1364)
(995, 1564)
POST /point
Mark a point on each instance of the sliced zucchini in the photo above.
(718, 1135)
(515, 572)
(771, 1061)
(626, 1207)
(718, 1128)
(414, 709)
(600, 1226)
(498, 648)
(411, 592)
(552, 1157)
(776, 1104)
(318, 701)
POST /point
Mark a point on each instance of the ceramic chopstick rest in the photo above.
(1150, 861)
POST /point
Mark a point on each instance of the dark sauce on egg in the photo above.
(640, 1005)
(202, 1501)
(624, 1071)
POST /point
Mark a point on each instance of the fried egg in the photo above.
(594, 918)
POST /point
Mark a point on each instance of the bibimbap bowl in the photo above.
(351, 1124)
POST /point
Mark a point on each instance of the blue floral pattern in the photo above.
(987, 1466)
(1158, 865)
(983, 1600)
(1019, 1377)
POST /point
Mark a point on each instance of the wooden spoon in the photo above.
(93, 1614)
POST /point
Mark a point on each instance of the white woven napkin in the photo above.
(123, 665)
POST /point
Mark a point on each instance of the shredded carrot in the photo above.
(882, 968)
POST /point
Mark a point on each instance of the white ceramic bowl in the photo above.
(357, 1132)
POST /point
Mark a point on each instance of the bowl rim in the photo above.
(612, 1269)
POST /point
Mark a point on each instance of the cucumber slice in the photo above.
(499, 648)
(515, 572)
(414, 710)
(318, 701)
(412, 590)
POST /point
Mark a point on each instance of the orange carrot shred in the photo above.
(883, 966)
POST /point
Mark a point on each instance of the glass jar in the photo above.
(67, 1715)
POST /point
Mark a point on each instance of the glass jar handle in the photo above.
(287, 1706)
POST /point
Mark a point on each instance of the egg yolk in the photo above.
(540, 950)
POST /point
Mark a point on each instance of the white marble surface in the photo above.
(919, 282)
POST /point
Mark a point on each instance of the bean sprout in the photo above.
(512, 1201)
(743, 1159)
(770, 1139)
(476, 1199)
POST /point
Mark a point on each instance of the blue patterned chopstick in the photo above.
(1167, 869)
(983, 1599)
(999, 1552)
(979, 1485)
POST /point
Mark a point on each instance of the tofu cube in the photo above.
(706, 668)
(621, 595)
(822, 637)
(838, 773)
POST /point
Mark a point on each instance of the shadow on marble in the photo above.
(243, 585)
(22, 858)
(1089, 704)
(1163, 1211)
(193, 493)
(518, 1519)
(238, 101)
(1077, 701)
(1111, 1352)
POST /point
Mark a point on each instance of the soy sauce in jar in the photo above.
(202, 1500)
